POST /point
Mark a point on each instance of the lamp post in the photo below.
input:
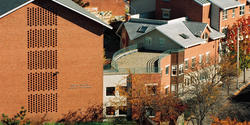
(238, 54)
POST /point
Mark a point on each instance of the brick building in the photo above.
(166, 48)
(117, 7)
(51, 57)
(219, 14)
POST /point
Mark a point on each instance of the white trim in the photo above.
(202, 4)
(151, 84)
(167, 86)
(193, 57)
(12, 10)
(166, 66)
(207, 53)
(186, 59)
(83, 14)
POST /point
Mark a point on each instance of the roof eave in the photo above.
(5, 14)
(106, 25)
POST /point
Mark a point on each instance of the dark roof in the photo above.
(9, 6)
(202, 2)
(133, 25)
(196, 28)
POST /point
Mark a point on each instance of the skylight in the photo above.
(184, 36)
(142, 29)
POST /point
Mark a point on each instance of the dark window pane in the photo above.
(110, 91)
(110, 111)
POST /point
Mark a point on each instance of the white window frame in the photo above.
(173, 87)
(194, 57)
(172, 69)
(181, 69)
(242, 11)
(186, 66)
(224, 14)
(233, 13)
(166, 68)
(201, 58)
(207, 57)
(167, 12)
(151, 84)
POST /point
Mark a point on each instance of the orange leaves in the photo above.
(228, 121)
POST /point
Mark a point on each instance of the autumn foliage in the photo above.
(228, 121)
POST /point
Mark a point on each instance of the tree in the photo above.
(147, 102)
(91, 114)
(228, 121)
(203, 94)
(244, 43)
(18, 119)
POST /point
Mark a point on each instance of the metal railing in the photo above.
(122, 52)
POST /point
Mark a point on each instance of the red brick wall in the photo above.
(182, 8)
(211, 47)
(80, 58)
(116, 6)
(231, 20)
(165, 78)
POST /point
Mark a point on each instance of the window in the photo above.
(184, 36)
(186, 64)
(151, 89)
(110, 110)
(165, 13)
(174, 70)
(162, 41)
(148, 41)
(224, 14)
(110, 91)
(233, 13)
(173, 87)
(205, 36)
(201, 59)
(181, 69)
(193, 62)
(142, 29)
(123, 110)
(166, 90)
(167, 69)
(242, 10)
(208, 57)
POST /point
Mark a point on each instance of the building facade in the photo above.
(218, 14)
(51, 58)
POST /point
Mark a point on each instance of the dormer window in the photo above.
(142, 29)
(184, 36)
(205, 36)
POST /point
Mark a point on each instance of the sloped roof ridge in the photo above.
(148, 21)
(9, 6)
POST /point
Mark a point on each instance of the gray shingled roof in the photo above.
(196, 28)
(226, 4)
(8, 6)
(215, 34)
(134, 24)
(202, 2)
(173, 31)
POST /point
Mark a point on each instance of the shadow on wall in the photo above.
(73, 17)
